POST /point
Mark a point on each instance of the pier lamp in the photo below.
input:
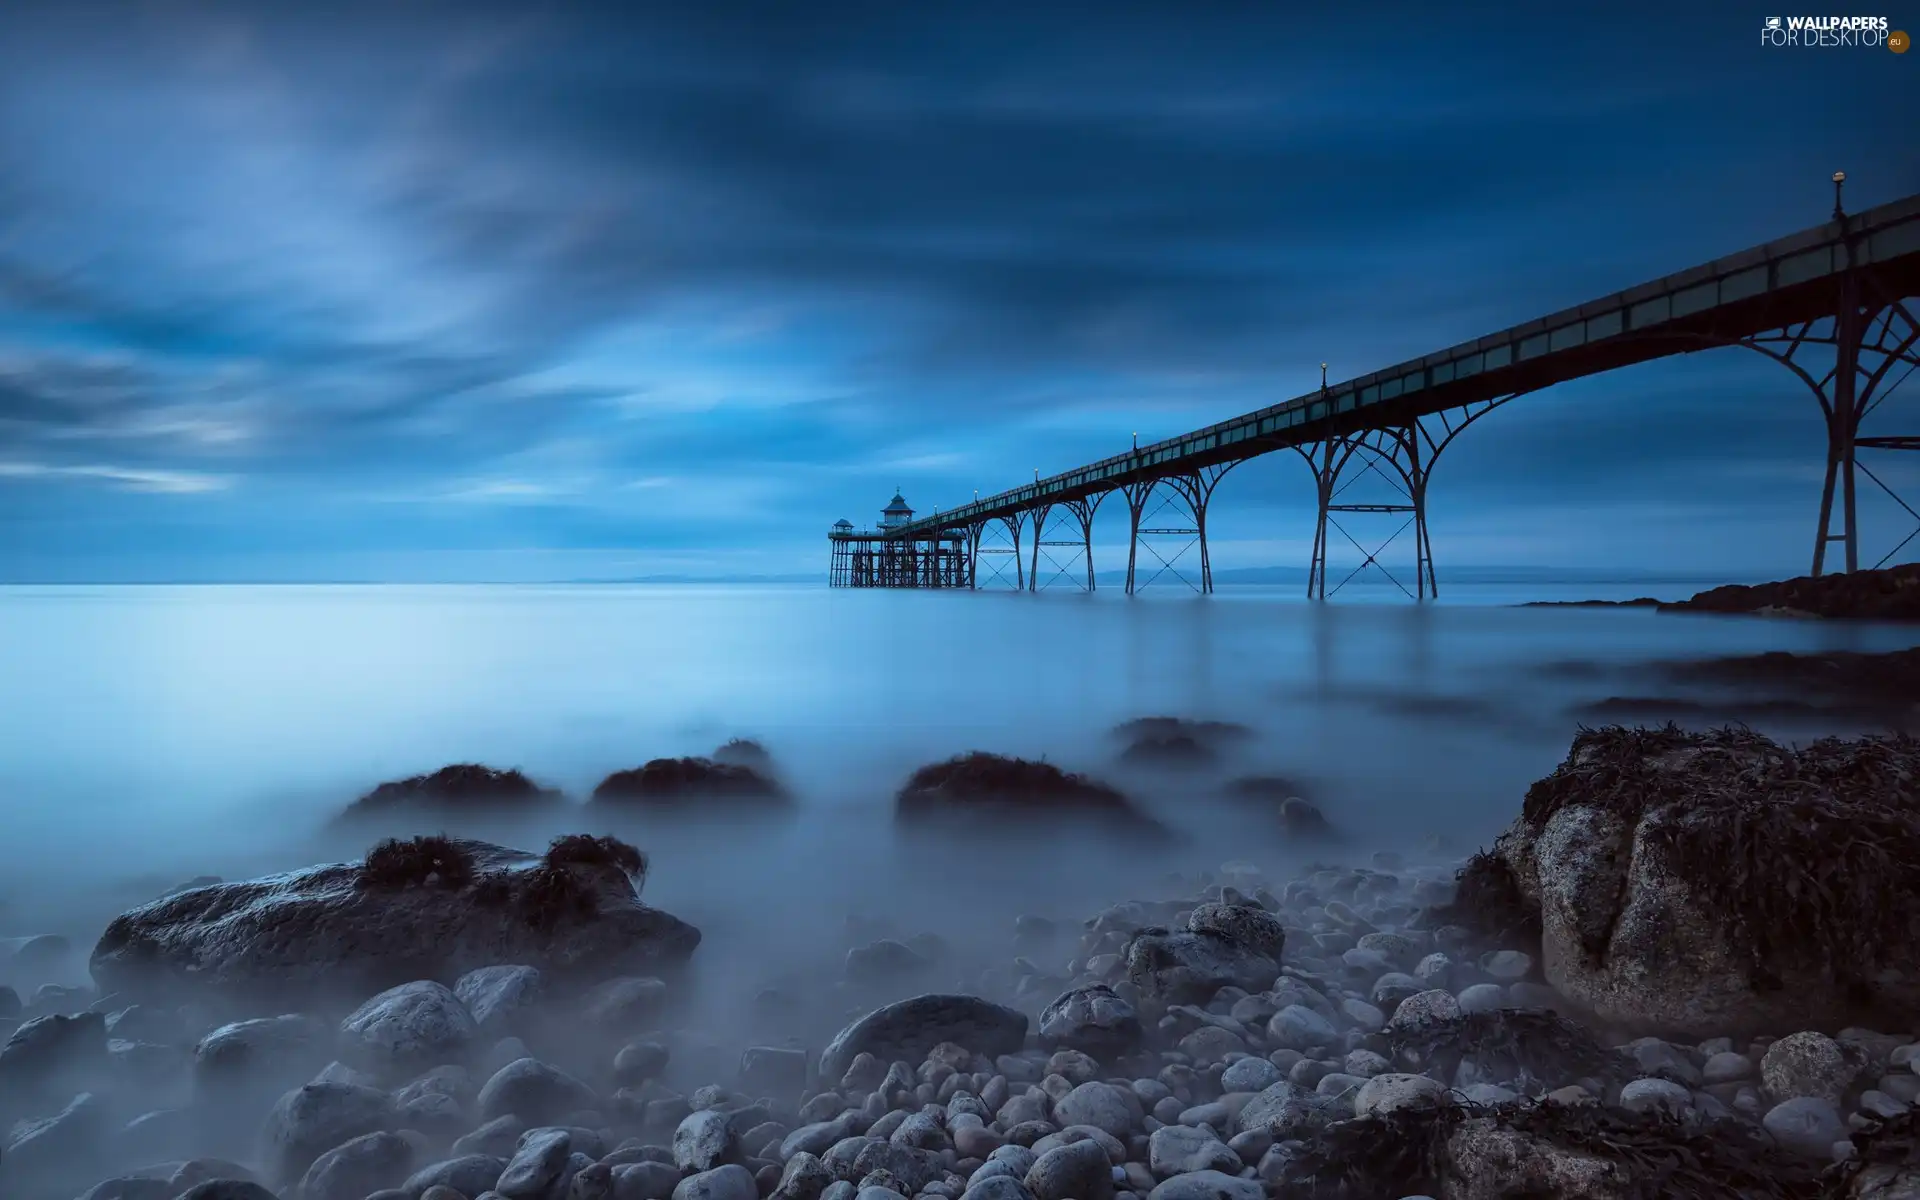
(1136, 442)
(1323, 377)
(1839, 177)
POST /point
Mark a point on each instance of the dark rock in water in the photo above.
(1891, 594)
(574, 913)
(37, 953)
(909, 1029)
(671, 782)
(10, 1005)
(465, 789)
(196, 1171)
(884, 960)
(356, 1168)
(994, 786)
(1188, 968)
(1094, 1020)
(1298, 816)
(745, 752)
(1170, 750)
(1717, 883)
(311, 1120)
(534, 1092)
(1211, 733)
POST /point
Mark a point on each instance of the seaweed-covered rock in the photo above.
(1718, 883)
(574, 913)
(745, 752)
(993, 785)
(1566, 1151)
(672, 782)
(1891, 594)
(1528, 1050)
(461, 789)
(1885, 1163)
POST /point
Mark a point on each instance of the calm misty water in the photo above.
(148, 734)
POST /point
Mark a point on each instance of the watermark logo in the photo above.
(1833, 32)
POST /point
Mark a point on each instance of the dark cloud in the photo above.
(480, 274)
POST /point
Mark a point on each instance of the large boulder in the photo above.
(1716, 884)
(1094, 1020)
(430, 909)
(909, 1029)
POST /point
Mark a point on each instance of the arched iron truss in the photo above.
(1080, 512)
(1875, 340)
(1007, 543)
(1404, 455)
(1184, 498)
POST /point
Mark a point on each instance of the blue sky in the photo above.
(473, 291)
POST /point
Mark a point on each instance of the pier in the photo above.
(1834, 304)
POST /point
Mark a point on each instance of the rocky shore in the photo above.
(1684, 971)
(1887, 594)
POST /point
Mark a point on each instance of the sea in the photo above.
(153, 734)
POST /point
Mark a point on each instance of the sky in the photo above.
(485, 291)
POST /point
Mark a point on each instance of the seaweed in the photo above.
(550, 894)
(1659, 1156)
(1890, 1144)
(586, 849)
(1812, 855)
(416, 862)
(462, 787)
(1488, 903)
(1527, 1048)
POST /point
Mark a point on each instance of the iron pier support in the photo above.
(1185, 497)
(1082, 512)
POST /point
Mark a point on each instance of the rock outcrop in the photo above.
(356, 928)
(1717, 883)
(464, 789)
(995, 787)
(1891, 594)
(677, 782)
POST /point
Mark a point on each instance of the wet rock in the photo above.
(1651, 1095)
(1392, 1092)
(249, 1055)
(1177, 1150)
(1298, 1027)
(534, 1092)
(358, 1167)
(704, 1140)
(469, 1175)
(535, 1165)
(227, 1189)
(908, 1029)
(498, 997)
(1806, 1125)
(1808, 1064)
(53, 1148)
(324, 928)
(654, 1181)
(407, 1028)
(1189, 968)
(1095, 1020)
(1103, 1106)
(1081, 1171)
(311, 1120)
(883, 961)
(1246, 925)
(1208, 1185)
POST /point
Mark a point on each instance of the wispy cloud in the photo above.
(132, 479)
